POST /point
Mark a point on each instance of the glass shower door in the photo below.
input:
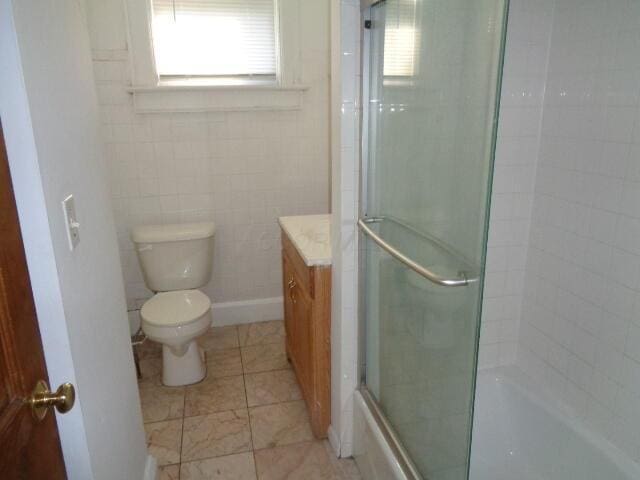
(434, 70)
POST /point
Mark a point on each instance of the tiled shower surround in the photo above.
(240, 169)
(525, 64)
(580, 331)
(562, 291)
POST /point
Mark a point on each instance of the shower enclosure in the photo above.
(432, 73)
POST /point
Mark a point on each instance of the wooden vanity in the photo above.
(306, 283)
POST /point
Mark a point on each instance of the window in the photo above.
(214, 38)
(400, 39)
(214, 55)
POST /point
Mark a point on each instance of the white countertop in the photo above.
(311, 235)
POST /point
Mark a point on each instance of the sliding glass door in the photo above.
(432, 76)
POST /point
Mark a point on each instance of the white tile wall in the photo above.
(240, 169)
(525, 65)
(345, 194)
(580, 329)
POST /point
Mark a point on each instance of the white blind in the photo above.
(214, 37)
(400, 38)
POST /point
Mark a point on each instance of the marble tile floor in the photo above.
(245, 421)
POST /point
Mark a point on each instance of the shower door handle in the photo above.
(412, 264)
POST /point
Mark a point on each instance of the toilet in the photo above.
(176, 260)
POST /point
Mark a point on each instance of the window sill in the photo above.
(185, 96)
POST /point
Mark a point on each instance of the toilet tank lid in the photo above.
(172, 232)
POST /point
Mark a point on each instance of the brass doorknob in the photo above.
(42, 399)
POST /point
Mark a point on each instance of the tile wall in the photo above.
(344, 200)
(524, 76)
(240, 169)
(580, 329)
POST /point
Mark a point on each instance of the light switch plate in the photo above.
(71, 222)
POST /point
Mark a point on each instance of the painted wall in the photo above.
(580, 332)
(50, 118)
(240, 169)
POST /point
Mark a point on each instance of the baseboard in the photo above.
(151, 468)
(247, 311)
(334, 440)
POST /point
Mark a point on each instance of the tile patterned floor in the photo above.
(245, 421)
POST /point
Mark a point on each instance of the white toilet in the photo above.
(176, 260)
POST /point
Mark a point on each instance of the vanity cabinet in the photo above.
(307, 320)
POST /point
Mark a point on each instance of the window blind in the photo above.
(400, 38)
(214, 37)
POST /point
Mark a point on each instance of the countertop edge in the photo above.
(308, 261)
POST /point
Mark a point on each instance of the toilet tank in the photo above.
(176, 256)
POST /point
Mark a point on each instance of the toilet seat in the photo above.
(177, 308)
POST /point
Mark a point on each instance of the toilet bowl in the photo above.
(175, 319)
(176, 260)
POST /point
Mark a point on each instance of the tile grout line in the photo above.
(249, 408)
(246, 399)
(184, 411)
(229, 410)
(185, 416)
(299, 442)
(184, 407)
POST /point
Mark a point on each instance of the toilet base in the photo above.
(184, 370)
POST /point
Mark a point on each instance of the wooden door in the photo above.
(29, 448)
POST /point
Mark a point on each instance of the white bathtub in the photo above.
(520, 435)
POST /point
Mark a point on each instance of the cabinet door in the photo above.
(289, 324)
(302, 315)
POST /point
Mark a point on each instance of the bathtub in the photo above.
(519, 434)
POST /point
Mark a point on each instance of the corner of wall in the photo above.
(345, 192)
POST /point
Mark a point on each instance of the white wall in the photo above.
(50, 119)
(240, 169)
(580, 333)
